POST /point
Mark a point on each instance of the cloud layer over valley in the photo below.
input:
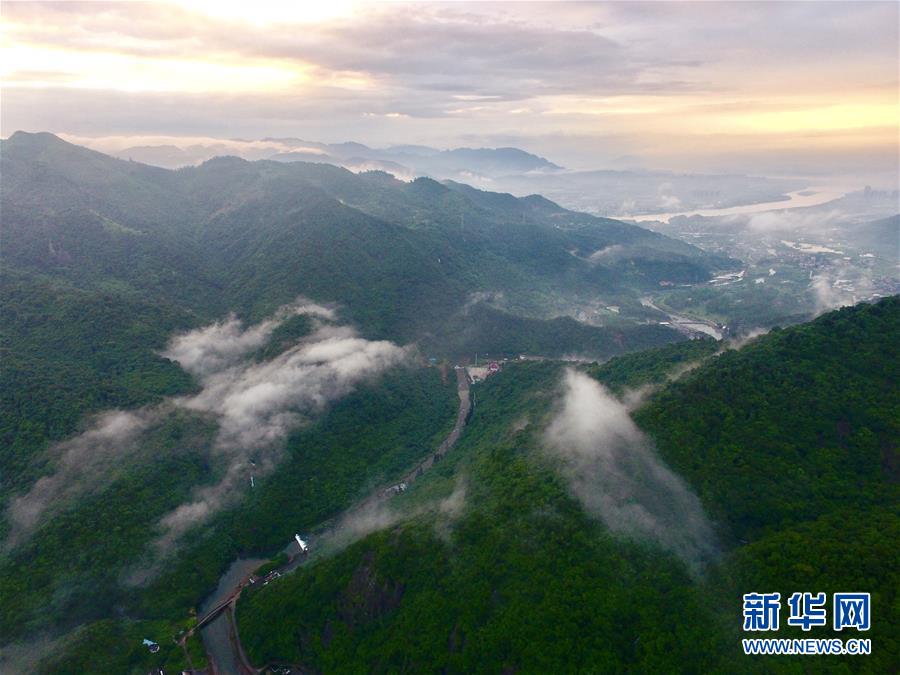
(254, 403)
(257, 404)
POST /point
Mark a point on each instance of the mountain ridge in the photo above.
(519, 577)
(473, 233)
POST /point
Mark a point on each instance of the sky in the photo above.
(773, 87)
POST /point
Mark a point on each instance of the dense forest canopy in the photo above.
(104, 259)
(783, 451)
(791, 443)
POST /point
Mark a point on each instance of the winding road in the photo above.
(217, 623)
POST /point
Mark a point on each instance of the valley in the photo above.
(401, 593)
(217, 619)
(283, 349)
(517, 338)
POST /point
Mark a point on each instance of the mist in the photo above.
(740, 341)
(81, 463)
(258, 404)
(841, 286)
(255, 405)
(790, 221)
(221, 344)
(375, 515)
(611, 467)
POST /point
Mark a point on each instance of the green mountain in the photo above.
(571, 347)
(104, 260)
(790, 443)
(252, 235)
(781, 456)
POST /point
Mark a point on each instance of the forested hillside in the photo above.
(73, 571)
(785, 446)
(519, 579)
(104, 261)
(790, 442)
(250, 236)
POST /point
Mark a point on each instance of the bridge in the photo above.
(330, 527)
(218, 609)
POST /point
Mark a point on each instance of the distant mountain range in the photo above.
(404, 161)
(401, 257)
(618, 192)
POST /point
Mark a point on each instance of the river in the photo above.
(220, 637)
(812, 196)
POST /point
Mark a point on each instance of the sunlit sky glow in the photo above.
(774, 87)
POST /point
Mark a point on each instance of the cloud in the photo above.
(793, 220)
(359, 522)
(491, 298)
(211, 349)
(453, 504)
(840, 286)
(27, 656)
(741, 340)
(85, 460)
(458, 53)
(826, 296)
(451, 508)
(377, 513)
(256, 405)
(612, 469)
(607, 254)
(141, 68)
(666, 197)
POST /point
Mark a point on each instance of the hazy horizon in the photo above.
(757, 88)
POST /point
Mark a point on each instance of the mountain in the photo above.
(607, 192)
(158, 373)
(414, 160)
(484, 161)
(95, 238)
(105, 260)
(269, 231)
(507, 564)
(70, 581)
(422, 160)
